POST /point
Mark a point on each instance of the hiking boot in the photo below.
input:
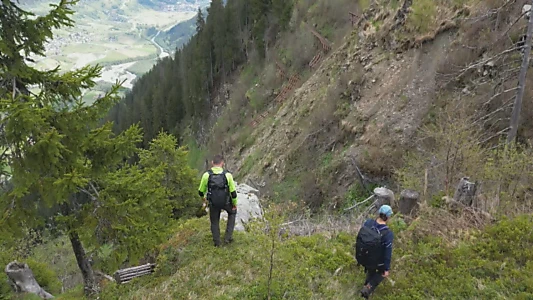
(227, 242)
(365, 292)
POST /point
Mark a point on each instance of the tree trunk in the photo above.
(22, 279)
(384, 196)
(465, 192)
(521, 83)
(89, 281)
(408, 204)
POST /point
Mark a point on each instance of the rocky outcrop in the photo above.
(248, 206)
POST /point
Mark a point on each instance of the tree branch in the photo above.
(94, 189)
(475, 65)
(99, 273)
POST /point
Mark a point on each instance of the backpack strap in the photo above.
(224, 176)
(383, 231)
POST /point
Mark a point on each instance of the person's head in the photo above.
(385, 212)
(218, 161)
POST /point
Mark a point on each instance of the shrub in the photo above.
(45, 276)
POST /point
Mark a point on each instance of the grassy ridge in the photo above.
(465, 264)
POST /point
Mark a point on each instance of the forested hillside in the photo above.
(179, 92)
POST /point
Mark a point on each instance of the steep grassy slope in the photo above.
(403, 66)
(438, 256)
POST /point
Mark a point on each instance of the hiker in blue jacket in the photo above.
(376, 273)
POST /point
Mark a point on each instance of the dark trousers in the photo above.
(374, 277)
(214, 216)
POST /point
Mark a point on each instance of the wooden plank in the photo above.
(130, 276)
(135, 272)
(137, 267)
(133, 269)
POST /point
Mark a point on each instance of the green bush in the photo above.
(488, 265)
(45, 276)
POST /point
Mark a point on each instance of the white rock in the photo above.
(526, 8)
(248, 206)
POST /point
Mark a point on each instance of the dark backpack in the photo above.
(218, 189)
(369, 248)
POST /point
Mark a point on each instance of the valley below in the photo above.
(118, 35)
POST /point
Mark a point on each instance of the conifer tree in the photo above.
(200, 21)
(55, 153)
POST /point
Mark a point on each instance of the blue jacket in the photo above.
(386, 241)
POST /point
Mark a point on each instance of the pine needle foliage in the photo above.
(62, 166)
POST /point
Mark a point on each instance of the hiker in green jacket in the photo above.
(218, 189)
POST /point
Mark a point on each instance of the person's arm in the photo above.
(202, 189)
(387, 243)
(232, 189)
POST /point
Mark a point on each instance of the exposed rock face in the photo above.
(248, 206)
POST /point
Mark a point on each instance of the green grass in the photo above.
(111, 57)
(327, 158)
(249, 163)
(141, 67)
(364, 4)
(81, 48)
(432, 259)
(422, 18)
(303, 267)
(91, 96)
(493, 264)
(196, 155)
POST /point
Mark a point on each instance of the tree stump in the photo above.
(465, 192)
(408, 203)
(22, 279)
(383, 196)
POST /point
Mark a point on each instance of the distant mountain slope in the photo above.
(177, 36)
(183, 5)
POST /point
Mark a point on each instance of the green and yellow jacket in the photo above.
(202, 190)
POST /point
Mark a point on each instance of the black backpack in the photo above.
(218, 189)
(368, 247)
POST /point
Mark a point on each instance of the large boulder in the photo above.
(248, 206)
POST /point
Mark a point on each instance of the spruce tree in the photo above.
(200, 21)
(56, 153)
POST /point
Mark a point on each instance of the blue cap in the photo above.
(386, 210)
